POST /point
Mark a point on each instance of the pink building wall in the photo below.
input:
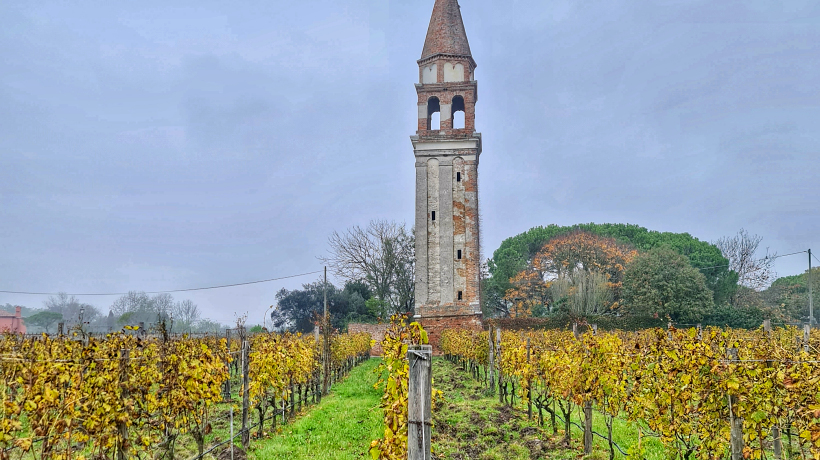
(12, 322)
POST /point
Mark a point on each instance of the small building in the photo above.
(12, 322)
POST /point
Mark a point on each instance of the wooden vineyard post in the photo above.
(587, 427)
(491, 360)
(498, 358)
(700, 332)
(317, 394)
(226, 391)
(60, 328)
(122, 427)
(587, 405)
(246, 438)
(529, 390)
(806, 333)
(735, 423)
(419, 401)
(777, 443)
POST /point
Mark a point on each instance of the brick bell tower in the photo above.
(447, 147)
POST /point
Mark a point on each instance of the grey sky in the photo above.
(162, 145)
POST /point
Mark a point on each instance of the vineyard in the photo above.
(133, 395)
(705, 394)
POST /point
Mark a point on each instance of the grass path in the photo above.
(339, 428)
(469, 425)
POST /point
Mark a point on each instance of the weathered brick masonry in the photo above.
(376, 332)
(447, 157)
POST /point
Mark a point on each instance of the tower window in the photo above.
(458, 112)
(459, 295)
(433, 215)
(458, 254)
(433, 114)
(435, 121)
(458, 177)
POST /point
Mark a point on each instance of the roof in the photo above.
(446, 34)
(5, 313)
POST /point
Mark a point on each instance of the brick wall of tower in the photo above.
(435, 326)
(445, 92)
(440, 274)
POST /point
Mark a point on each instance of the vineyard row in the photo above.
(130, 395)
(705, 394)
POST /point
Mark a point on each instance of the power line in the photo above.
(165, 292)
(773, 258)
(785, 255)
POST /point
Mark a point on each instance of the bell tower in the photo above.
(447, 148)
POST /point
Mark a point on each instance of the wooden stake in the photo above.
(419, 402)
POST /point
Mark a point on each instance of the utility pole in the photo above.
(811, 302)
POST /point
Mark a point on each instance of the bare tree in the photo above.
(382, 255)
(753, 272)
(187, 313)
(70, 307)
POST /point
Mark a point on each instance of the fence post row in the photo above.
(419, 401)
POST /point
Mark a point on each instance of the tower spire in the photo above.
(446, 34)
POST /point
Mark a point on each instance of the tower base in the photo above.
(435, 325)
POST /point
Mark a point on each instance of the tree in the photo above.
(70, 308)
(133, 302)
(136, 307)
(528, 296)
(662, 282)
(44, 319)
(791, 294)
(753, 272)
(187, 314)
(299, 309)
(206, 325)
(579, 271)
(516, 253)
(381, 255)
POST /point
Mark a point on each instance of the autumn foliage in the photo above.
(580, 271)
(673, 384)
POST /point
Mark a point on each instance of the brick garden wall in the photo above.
(376, 332)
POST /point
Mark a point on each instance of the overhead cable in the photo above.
(164, 292)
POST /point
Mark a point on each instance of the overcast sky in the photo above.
(162, 144)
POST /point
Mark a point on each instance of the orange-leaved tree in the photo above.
(579, 271)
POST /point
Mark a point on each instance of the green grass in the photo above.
(472, 425)
(339, 428)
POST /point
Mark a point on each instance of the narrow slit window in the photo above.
(458, 177)
(459, 295)
(458, 254)
(433, 215)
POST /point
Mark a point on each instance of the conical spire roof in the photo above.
(446, 34)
